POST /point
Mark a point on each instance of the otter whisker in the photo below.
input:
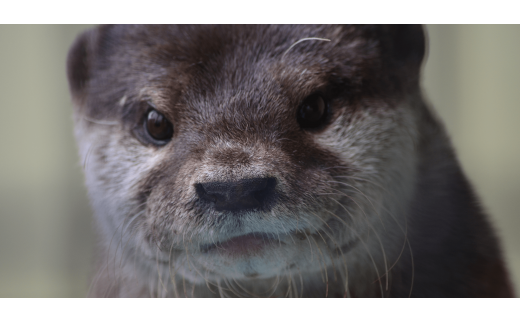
(366, 197)
(338, 247)
(275, 285)
(301, 40)
(301, 281)
(222, 290)
(172, 274)
(324, 263)
(325, 242)
(100, 122)
(87, 155)
(288, 293)
(405, 231)
(413, 269)
(108, 253)
(375, 232)
(231, 288)
(123, 232)
(366, 248)
(160, 282)
(195, 267)
(245, 290)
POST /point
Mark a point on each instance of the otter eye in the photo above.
(158, 127)
(311, 113)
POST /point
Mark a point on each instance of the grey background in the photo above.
(471, 77)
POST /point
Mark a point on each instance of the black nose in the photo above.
(246, 194)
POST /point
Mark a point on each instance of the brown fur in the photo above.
(372, 203)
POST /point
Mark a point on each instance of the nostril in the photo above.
(215, 197)
(263, 189)
(208, 193)
(252, 193)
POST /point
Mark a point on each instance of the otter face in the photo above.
(248, 152)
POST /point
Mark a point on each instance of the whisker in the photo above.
(231, 288)
(244, 289)
(87, 155)
(172, 275)
(289, 287)
(338, 248)
(366, 197)
(124, 231)
(324, 268)
(301, 281)
(100, 122)
(404, 231)
(301, 40)
(373, 230)
(413, 269)
(361, 240)
(328, 249)
(160, 282)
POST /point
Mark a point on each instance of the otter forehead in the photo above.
(235, 69)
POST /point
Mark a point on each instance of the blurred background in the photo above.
(471, 78)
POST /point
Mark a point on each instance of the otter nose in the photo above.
(246, 194)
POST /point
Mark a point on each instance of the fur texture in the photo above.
(371, 204)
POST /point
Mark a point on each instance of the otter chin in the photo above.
(273, 161)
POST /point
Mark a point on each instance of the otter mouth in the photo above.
(245, 245)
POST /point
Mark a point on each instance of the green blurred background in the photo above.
(471, 77)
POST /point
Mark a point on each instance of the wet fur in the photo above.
(374, 204)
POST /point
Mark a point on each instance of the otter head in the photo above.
(217, 153)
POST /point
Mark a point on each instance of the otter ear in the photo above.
(80, 61)
(406, 44)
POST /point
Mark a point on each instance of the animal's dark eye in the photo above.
(158, 127)
(312, 111)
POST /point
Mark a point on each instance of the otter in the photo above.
(273, 161)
